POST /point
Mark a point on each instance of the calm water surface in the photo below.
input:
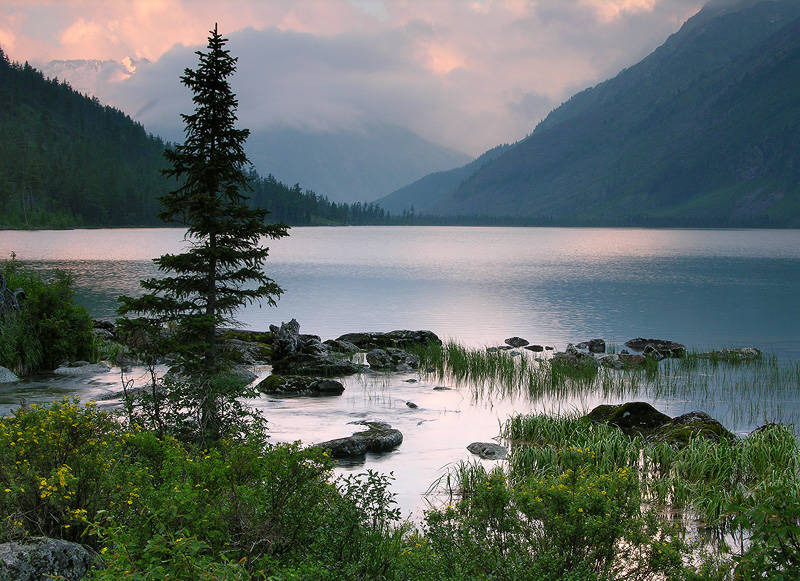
(478, 285)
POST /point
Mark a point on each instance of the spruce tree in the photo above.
(223, 268)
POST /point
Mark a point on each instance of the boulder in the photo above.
(379, 437)
(548, 348)
(338, 346)
(247, 352)
(391, 359)
(412, 405)
(296, 354)
(534, 348)
(695, 424)
(7, 376)
(632, 418)
(36, 558)
(632, 361)
(299, 385)
(666, 348)
(612, 361)
(593, 345)
(572, 361)
(400, 339)
(488, 450)
(284, 339)
(516, 341)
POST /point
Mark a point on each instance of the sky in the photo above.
(465, 74)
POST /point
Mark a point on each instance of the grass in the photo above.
(740, 393)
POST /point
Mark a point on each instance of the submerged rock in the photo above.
(400, 339)
(380, 437)
(7, 376)
(442, 388)
(666, 348)
(573, 360)
(38, 558)
(732, 355)
(488, 450)
(299, 385)
(516, 341)
(391, 359)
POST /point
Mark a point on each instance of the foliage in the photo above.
(49, 329)
(223, 269)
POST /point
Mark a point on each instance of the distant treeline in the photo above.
(66, 160)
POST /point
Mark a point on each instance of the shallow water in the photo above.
(478, 285)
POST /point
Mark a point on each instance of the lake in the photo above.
(703, 288)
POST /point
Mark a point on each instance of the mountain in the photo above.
(705, 131)
(348, 165)
(66, 160)
(360, 163)
(423, 194)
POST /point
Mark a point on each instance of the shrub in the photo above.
(49, 328)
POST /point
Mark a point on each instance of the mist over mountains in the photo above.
(705, 131)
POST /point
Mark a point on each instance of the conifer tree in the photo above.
(223, 268)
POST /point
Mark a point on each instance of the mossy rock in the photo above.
(684, 428)
(379, 437)
(632, 418)
(248, 336)
(299, 385)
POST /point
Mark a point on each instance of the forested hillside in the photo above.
(66, 160)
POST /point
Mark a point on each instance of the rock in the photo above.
(401, 339)
(732, 355)
(296, 354)
(666, 348)
(391, 359)
(380, 437)
(244, 373)
(515, 353)
(769, 427)
(103, 334)
(247, 352)
(82, 368)
(632, 361)
(650, 351)
(442, 388)
(488, 450)
(534, 348)
(7, 376)
(247, 335)
(597, 346)
(548, 347)
(516, 341)
(573, 360)
(613, 361)
(632, 418)
(411, 380)
(284, 339)
(412, 405)
(38, 558)
(691, 425)
(299, 385)
(341, 346)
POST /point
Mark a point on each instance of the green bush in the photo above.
(49, 329)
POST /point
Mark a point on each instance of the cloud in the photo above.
(467, 75)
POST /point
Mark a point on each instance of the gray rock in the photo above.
(84, 369)
(391, 359)
(38, 558)
(412, 405)
(732, 355)
(341, 346)
(299, 385)
(650, 351)
(597, 346)
(488, 450)
(516, 341)
(548, 347)
(442, 388)
(411, 381)
(380, 437)
(284, 339)
(7, 376)
(401, 339)
(534, 348)
(514, 353)
(666, 348)
(613, 361)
